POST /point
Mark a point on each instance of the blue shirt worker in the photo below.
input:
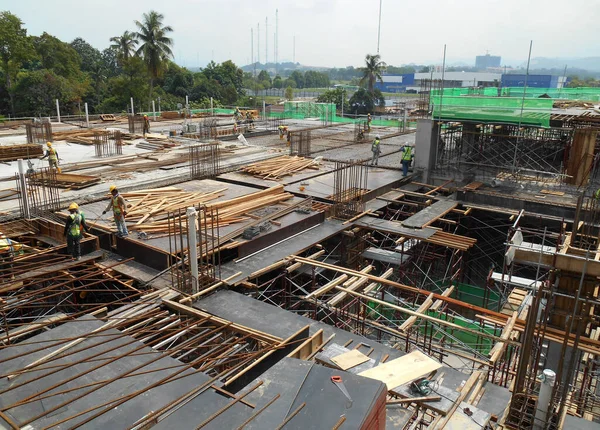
(406, 160)
(73, 231)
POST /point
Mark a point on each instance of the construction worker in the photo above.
(289, 138)
(8, 249)
(118, 206)
(376, 150)
(52, 156)
(235, 128)
(73, 226)
(369, 122)
(406, 158)
(237, 114)
(597, 194)
(283, 129)
(146, 125)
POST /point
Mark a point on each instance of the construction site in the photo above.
(273, 277)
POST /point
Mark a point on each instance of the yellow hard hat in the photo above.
(49, 143)
(112, 188)
(73, 206)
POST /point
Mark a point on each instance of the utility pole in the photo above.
(266, 40)
(252, 47)
(379, 27)
(294, 49)
(258, 42)
(276, 38)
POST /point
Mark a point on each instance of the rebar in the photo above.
(349, 188)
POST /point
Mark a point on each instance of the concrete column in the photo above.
(153, 110)
(404, 119)
(23, 185)
(58, 110)
(193, 251)
(87, 116)
(132, 110)
(425, 147)
(264, 110)
(212, 112)
(543, 405)
(159, 111)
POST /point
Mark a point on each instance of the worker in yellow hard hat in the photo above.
(73, 231)
(52, 156)
(119, 208)
(146, 125)
(8, 249)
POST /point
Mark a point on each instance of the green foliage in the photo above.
(363, 101)
(576, 82)
(133, 82)
(124, 45)
(264, 79)
(178, 81)
(372, 71)
(277, 82)
(38, 89)
(393, 70)
(15, 48)
(425, 69)
(289, 93)
(337, 96)
(57, 56)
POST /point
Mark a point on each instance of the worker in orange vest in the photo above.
(119, 208)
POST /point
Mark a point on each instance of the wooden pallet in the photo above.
(108, 117)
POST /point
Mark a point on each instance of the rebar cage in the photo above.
(349, 188)
(204, 160)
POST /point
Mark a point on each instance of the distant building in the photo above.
(534, 81)
(460, 79)
(395, 83)
(486, 61)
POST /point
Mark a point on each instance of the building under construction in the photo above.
(277, 280)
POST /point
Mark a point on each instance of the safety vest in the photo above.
(376, 143)
(407, 154)
(597, 194)
(75, 229)
(52, 154)
(116, 207)
(6, 246)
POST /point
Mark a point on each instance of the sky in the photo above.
(334, 33)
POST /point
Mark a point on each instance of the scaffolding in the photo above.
(485, 150)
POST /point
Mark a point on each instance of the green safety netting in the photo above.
(498, 109)
(583, 93)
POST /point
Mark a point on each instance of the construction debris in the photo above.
(15, 152)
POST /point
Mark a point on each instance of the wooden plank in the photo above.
(349, 359)
(402, 370)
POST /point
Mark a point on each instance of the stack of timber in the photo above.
(153, 211)
(275, 168)
(14, 152)
(80, 136)
(65, 180)
(157, 142)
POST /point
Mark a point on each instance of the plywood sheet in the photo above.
(402, 370)
(350, 359)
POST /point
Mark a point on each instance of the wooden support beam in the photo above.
(406, 325)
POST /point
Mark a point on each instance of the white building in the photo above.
(460, 79)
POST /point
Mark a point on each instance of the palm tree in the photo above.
(372, 71)
(124, 44)
(155, 46)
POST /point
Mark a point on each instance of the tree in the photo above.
(264, 79)
(289, 93)
(400, 70)
(58, 56)
(124, 45)
(178, 81)
(155, 45)
(337, 96)
(363, 102)
(425, 69)
(277, 82)
(298, 78)
(15, 48)
(372, 71)
(89, 56)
